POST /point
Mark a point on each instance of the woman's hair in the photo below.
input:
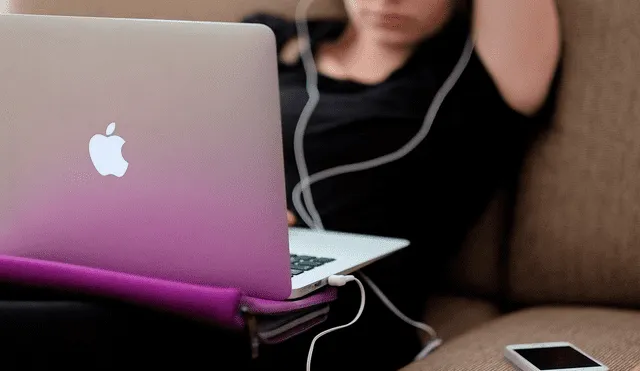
(464, 6)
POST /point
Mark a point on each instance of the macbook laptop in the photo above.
(154, 147)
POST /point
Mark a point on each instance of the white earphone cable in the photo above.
(306, 54)
(303, 188)
(312, 218)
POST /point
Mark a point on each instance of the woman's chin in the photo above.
(392, 37)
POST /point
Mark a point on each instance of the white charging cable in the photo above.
(434, 341)
(339, 281)
(303, 188)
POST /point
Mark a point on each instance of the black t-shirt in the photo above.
(434, 194)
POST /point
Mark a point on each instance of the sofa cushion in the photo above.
(452, 316)
(611, 336)
(199, 10)
(576, 235)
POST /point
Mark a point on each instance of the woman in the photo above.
(378, 73)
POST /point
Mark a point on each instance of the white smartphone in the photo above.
(557, 356)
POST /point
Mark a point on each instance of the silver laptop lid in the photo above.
(198, 194)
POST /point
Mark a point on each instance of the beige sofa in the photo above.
(570, 270)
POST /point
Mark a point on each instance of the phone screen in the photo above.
(556, 358)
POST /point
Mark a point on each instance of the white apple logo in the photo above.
(106, 153)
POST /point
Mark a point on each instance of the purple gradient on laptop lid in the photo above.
(137, 229)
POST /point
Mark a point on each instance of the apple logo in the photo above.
(106, 153)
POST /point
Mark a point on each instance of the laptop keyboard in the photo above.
(303, 263)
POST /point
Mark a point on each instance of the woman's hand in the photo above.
(291, 219)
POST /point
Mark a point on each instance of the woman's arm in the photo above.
(519, 43)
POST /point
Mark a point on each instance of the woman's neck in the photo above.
(360, 47)
(360, 57)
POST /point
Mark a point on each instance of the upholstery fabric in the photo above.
(611, 336)
(475, 270)
(451, 316)
(576, 236)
